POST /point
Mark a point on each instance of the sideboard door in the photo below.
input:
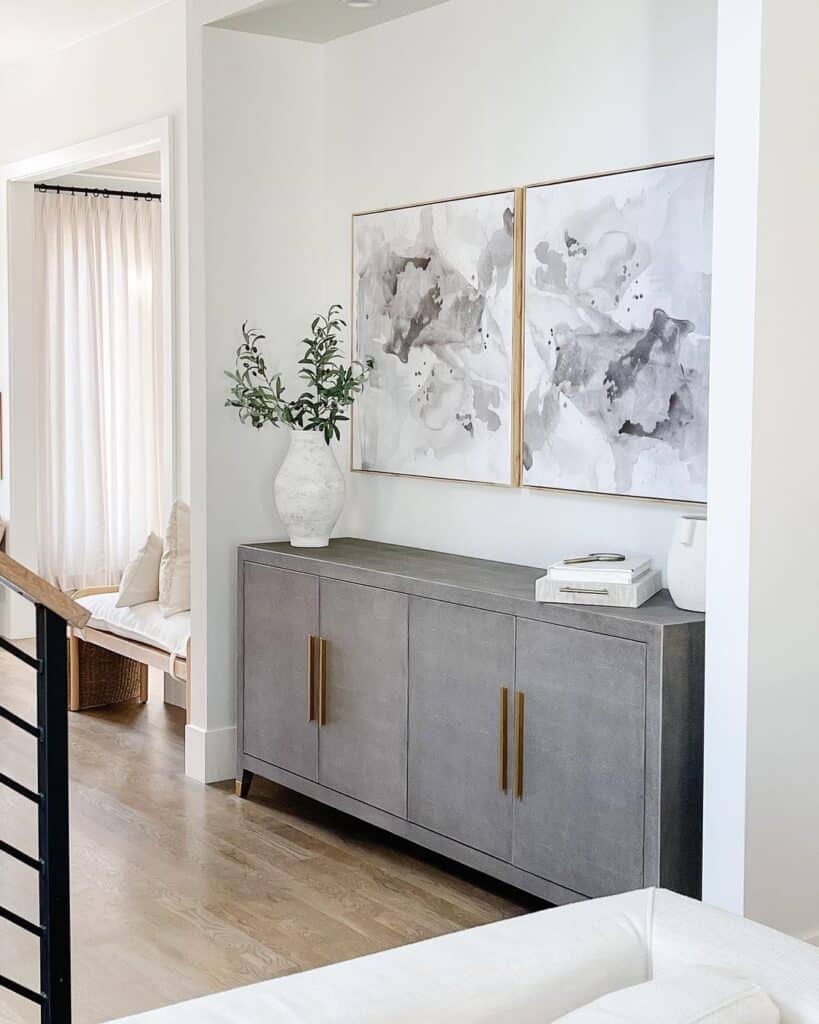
(363, 740)
(460, 660)
(281, 612)
(580, 818)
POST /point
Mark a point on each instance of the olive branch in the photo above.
(260, 395)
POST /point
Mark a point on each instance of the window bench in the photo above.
(134, 640)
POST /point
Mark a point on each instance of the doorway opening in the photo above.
(90, 363)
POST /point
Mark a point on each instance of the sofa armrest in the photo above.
(685, 932)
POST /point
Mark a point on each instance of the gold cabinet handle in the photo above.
(311, 675)
(518, 745)
(503, 732)
(322, 674)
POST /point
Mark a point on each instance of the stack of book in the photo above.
(625, 584)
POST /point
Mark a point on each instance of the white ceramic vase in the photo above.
(309, 490)
(686, 563)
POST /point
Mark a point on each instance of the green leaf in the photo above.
(259, 396)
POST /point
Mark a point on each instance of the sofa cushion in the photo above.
(175, 566)
(692, 995)
(144, 623)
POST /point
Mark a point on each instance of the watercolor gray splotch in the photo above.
(434, 310)
(617, 333)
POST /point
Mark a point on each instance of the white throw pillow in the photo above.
(175, 567)
(140, 581)
(688, 996)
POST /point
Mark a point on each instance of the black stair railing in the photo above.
(53, 611)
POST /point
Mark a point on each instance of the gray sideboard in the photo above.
(555, 747)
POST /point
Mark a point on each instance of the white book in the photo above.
(628, 571)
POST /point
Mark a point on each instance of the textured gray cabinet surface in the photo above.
(281, 608)
(363, 742)
(460, 658)
(603, 792)
(580, 816)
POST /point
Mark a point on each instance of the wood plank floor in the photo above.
(179, 890)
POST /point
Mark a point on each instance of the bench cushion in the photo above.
(144, 623)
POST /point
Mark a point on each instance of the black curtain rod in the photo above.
(106, 193)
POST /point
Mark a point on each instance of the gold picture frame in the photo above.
(526, 190)
(516, 362)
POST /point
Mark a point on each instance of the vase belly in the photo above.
(309, 490)
(685, 571)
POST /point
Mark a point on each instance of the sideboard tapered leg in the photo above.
(243, 784)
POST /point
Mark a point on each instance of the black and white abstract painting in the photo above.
(617, 333)
(434, 308)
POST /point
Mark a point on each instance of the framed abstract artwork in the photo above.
(617, 332)
(435, 305)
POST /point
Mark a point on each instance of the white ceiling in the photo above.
(30, 27)
(318, 21)
(140, 173)
(142, 168)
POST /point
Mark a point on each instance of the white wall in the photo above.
(129, 75)
(19, 501)
(474, 96)
(262, 143)
(132, 73)
(296, 137)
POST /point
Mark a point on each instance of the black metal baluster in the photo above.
(52, 776)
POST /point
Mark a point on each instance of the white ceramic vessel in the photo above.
(309, 490)
(686, 563)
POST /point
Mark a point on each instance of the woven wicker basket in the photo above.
(108, 678)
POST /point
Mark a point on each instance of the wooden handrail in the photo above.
(37, 590)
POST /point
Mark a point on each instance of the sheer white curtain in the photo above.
(100, 421)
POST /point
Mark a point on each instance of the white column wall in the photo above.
(733, 319)
(782, 828)
(261, 201)
(762, 706)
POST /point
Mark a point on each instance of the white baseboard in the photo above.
(210, 754)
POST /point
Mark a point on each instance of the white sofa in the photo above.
(528, 970)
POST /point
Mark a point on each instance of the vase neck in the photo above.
(307, 437)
